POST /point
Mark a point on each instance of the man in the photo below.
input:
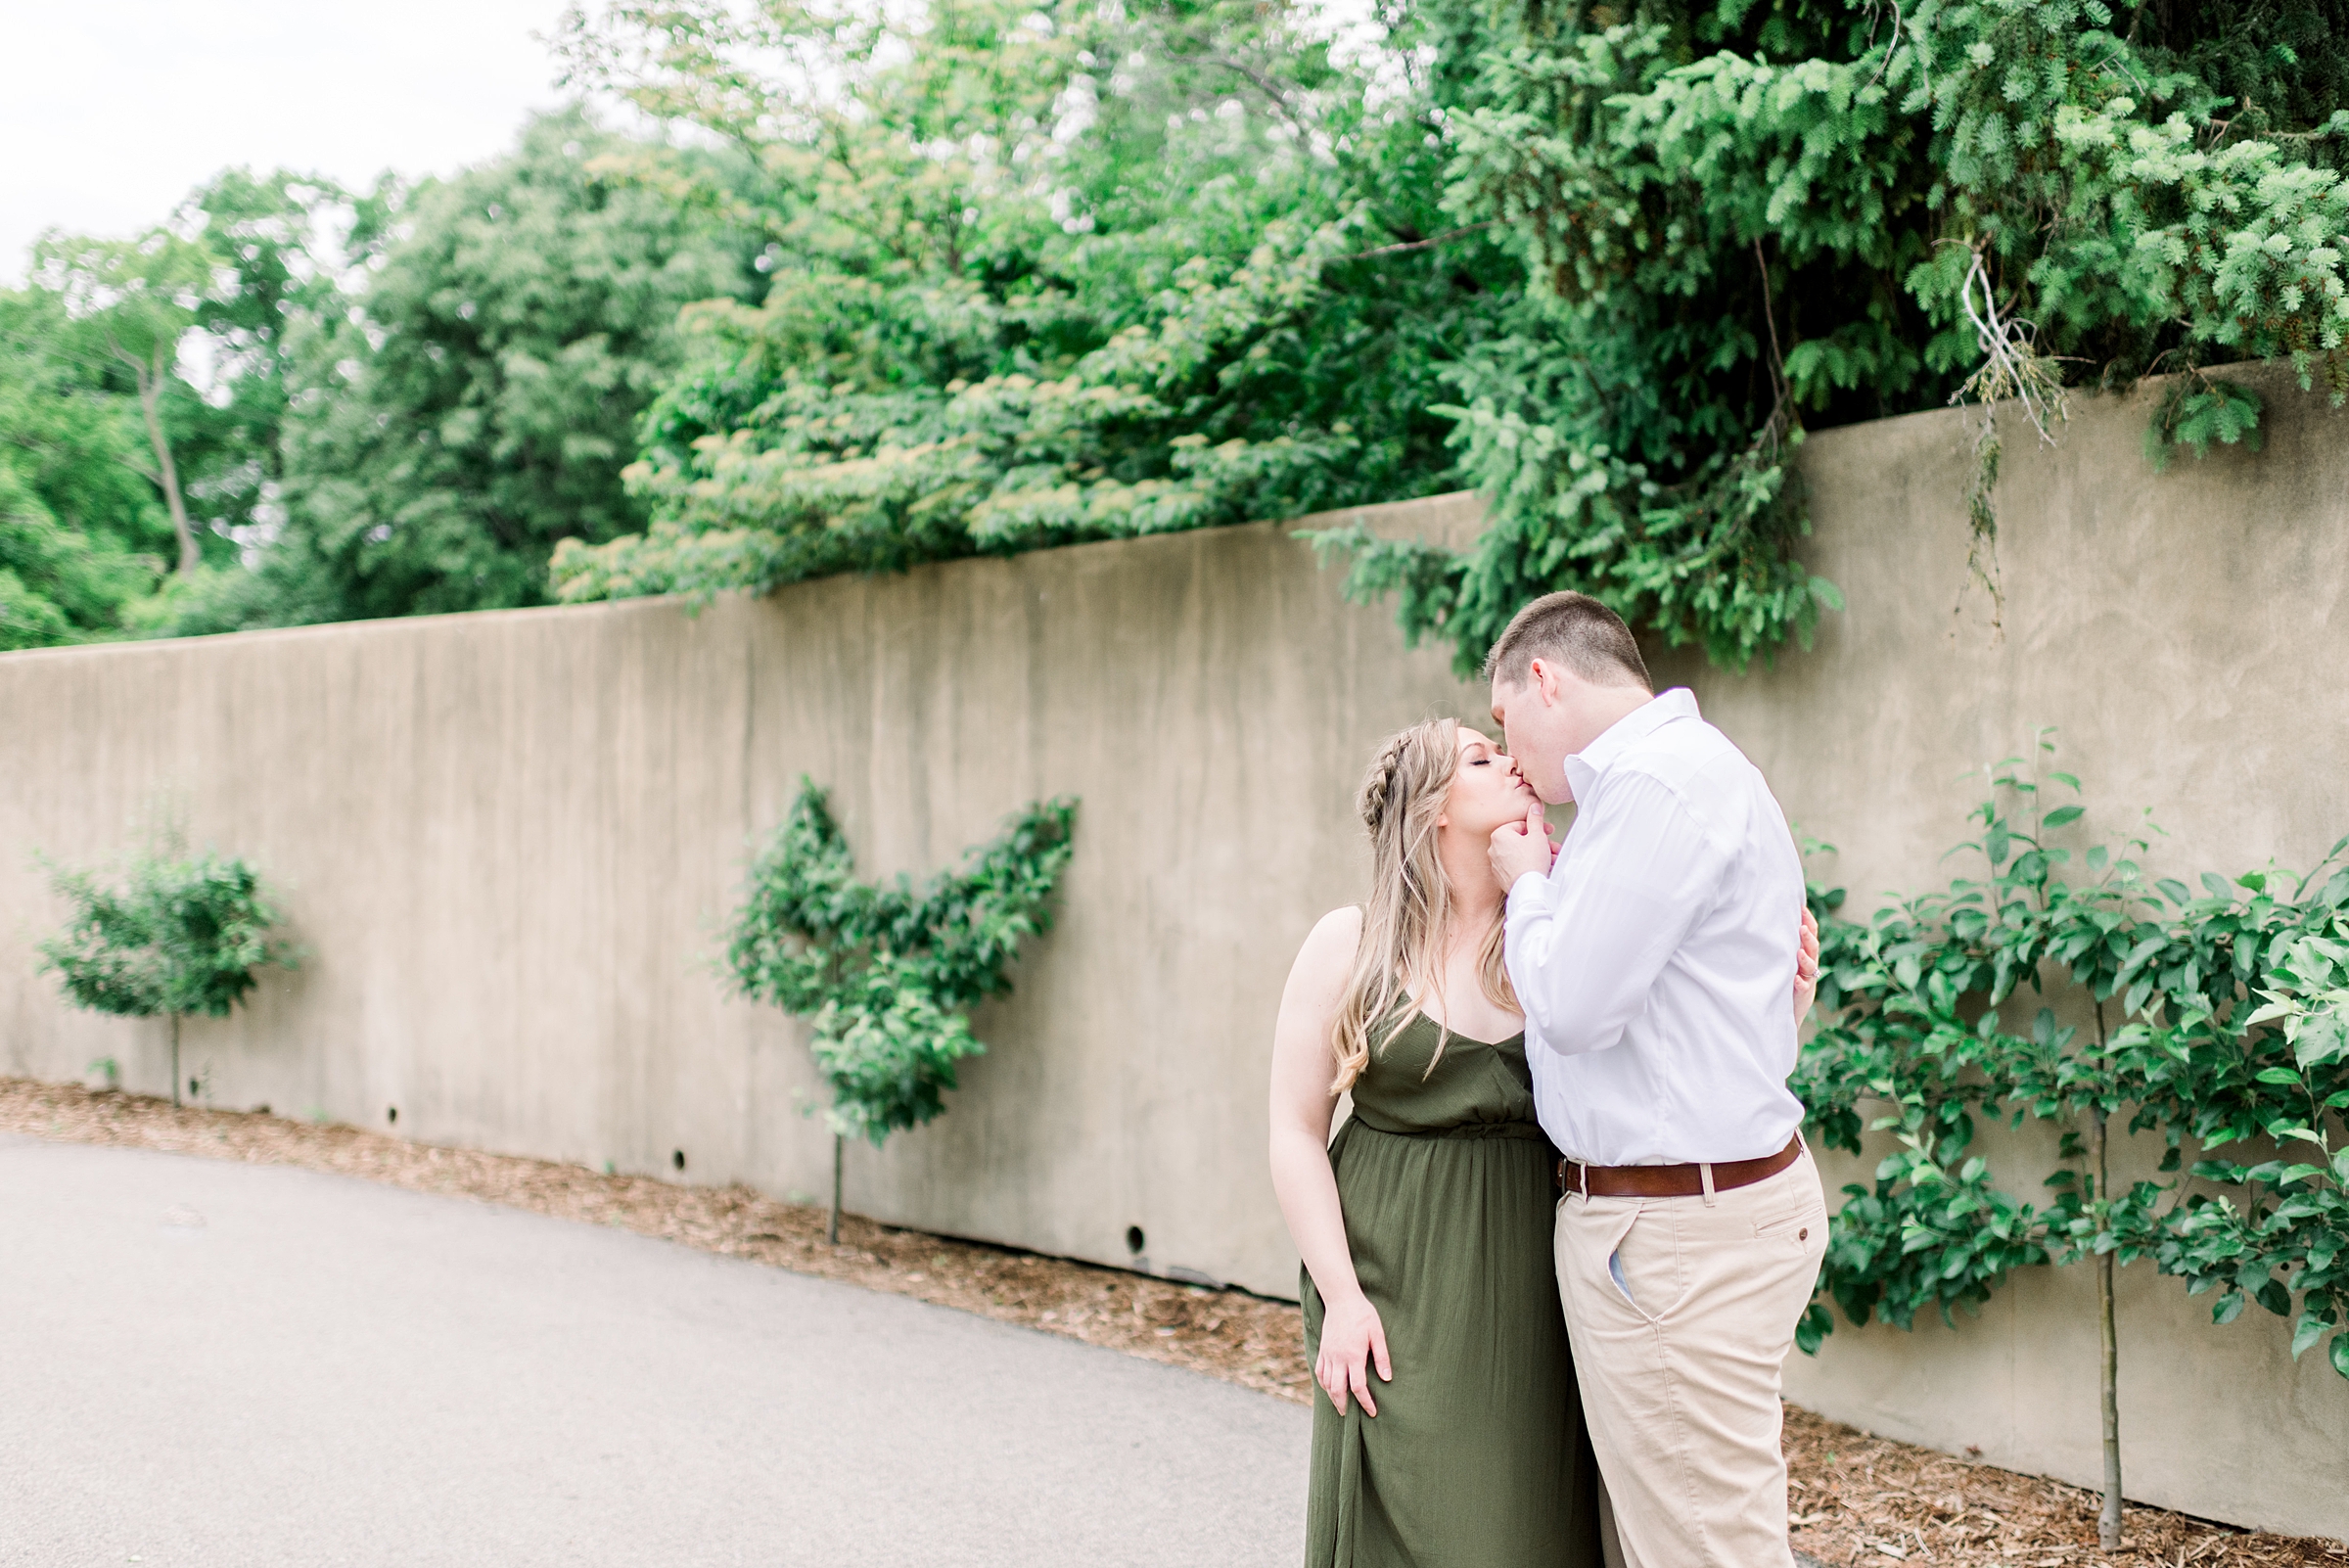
(1654, 962)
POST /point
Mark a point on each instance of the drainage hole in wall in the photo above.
(392, 1115)
(677, 1158)
(1133, 1239)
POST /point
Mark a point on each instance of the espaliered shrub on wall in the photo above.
(889, 973)
(2213, 1018)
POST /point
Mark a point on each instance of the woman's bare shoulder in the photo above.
(1328, 952)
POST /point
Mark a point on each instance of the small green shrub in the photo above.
(174, 934)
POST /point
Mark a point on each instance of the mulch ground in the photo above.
(1858, 1499)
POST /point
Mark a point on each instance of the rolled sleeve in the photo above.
(1585, 946)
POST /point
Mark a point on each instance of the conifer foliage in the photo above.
(1741, 219)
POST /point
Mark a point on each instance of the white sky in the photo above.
(112, 109)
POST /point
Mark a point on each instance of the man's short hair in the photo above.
(1572, 630)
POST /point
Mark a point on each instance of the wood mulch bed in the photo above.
(1865, 1501)
(1858, 1499)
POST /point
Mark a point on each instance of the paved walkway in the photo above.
(215, 1366)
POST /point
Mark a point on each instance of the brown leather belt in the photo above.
(1672, 1180)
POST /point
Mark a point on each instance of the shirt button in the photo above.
(1804, 1235)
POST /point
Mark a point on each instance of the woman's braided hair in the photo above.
(1407, 919)
(1378, 784)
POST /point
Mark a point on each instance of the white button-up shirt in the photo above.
(1655, 963)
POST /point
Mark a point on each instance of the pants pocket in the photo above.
(1797, 1223)
(1615, 1272)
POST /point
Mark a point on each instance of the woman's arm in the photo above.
(1303, 1065)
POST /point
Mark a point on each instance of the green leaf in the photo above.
(2321, 1040)
(2064, 815)
(2216, 886)
(2228, 1307)
(2339, 1349)
(2280, 1075)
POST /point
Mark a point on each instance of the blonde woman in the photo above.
(1448, 1428)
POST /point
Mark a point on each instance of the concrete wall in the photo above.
(510, 842)
(2187, 634)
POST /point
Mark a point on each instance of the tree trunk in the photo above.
(175, 1059)
(2108, 1521)
(151, 392)
(838, 1144)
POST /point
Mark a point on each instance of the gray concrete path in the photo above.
(249, 1366)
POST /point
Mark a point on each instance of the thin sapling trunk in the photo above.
(175, 1059)
(2108, 1521)
(839, 1145)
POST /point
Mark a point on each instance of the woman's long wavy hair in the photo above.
(1407, 921)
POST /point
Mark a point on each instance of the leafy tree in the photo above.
(82, 534)
(104, 433)
(890, 973)
(176, 935)
(514, 322)
(284, 247)
(1039, 274)
(133, 301)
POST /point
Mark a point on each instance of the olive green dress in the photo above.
(1477, 1457)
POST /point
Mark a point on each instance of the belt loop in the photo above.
(1706, 1172)
(1582, 1170)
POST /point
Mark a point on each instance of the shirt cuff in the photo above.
(1530, 889)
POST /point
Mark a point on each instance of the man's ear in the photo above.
(1548, 680)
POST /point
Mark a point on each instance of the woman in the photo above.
(1425, 1227)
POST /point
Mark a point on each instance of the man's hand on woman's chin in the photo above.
(1522, 847)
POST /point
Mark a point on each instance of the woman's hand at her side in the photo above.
(1352, 1339)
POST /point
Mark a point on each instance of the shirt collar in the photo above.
(1585, 766)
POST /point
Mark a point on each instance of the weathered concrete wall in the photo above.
(2187, 634)
(510, 842)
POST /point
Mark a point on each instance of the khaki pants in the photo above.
(1681, 1311)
